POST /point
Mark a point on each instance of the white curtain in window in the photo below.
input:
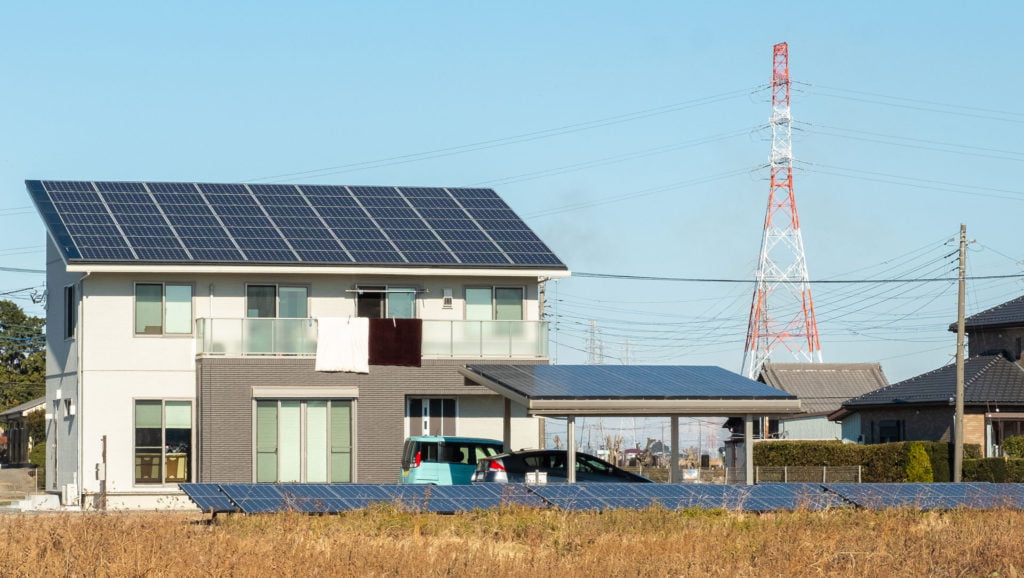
(292, 302)
(402, 302)
(178, 414)
(478, 304)
(179, 308)
(316, 441)
(290, 447)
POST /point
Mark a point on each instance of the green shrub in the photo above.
(996, 470)
(879, 462)
(37, 457)
(919, 466)
(1014, 447)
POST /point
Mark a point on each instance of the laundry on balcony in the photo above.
(343, 344)
(396, 342)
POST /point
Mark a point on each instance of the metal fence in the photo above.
(824, 474)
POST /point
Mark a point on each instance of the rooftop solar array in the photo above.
(334, 498)
(286, 224)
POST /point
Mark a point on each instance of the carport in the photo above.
(671, 391)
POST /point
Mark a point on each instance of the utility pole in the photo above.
(958, 419)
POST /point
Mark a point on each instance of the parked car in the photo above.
(512, 467)
(444, 460)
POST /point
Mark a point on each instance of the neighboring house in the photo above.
(18, 430)
(275, 333)
(922, 407)
(821, 388)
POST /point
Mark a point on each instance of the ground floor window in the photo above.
(163, 441)
(304, 440)
(1000, 430)
(890, 430)
(431, 416)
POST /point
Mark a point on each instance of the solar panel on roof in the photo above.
(271, 215)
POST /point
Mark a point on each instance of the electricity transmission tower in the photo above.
(595, 346)
(782, 311)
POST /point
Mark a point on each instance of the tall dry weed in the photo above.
(386, 541)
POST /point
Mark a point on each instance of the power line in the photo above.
(514, 139)
(751, 281)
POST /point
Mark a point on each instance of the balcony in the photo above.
(441, 339)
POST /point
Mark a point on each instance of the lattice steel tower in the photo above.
(782, 312)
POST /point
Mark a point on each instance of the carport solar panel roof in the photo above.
(225, 223)
(626, 382)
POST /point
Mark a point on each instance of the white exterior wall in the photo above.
(476, 419)
(119, 367)
(62, 373)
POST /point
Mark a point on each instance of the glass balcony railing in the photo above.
(441, 339)
(255, 336)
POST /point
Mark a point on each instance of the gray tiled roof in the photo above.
(823, 387)
(1009, 313)
(987, 379)
(17, 410)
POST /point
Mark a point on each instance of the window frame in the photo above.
(426, 431)
(494, 301)
(386, 290)
(190, 464)
(277, 298)
(163, 308)
(303, 434)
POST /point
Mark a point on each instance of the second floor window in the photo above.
(276, 301)
(163, 309)
(380, 301)
(498, 303)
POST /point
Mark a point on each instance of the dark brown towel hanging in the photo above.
(396, 342)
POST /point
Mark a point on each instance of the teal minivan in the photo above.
(444, 460)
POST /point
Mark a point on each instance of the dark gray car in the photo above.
(512, 467)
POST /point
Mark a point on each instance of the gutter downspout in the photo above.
(79, 478)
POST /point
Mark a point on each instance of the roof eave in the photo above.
(79, 267)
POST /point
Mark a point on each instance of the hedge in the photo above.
(998, 470)
(880, 462)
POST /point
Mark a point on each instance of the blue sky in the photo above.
(631, 137)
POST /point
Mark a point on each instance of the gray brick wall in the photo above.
(224, 402)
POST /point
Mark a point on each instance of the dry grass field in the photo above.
(383, 541)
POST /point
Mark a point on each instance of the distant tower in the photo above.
(595, 346)
(782, 312)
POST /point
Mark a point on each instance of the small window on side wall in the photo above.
(70, 307)
(163, 309)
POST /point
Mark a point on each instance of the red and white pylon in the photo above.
(782, 312)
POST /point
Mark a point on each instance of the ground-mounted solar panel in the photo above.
(209, 498)
(922, 496)
(419, 215)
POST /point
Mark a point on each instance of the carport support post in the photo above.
(748, 449)
(506, 427)
(673, 475)
(570, 453)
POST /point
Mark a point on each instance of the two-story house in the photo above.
(275, 333)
